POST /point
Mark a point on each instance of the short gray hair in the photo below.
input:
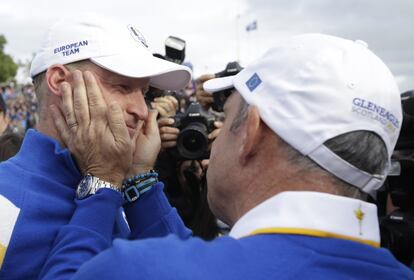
(363, 149)
(39, 79)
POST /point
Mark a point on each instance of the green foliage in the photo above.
(8, 68)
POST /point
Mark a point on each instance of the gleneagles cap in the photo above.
(311, 88)
(116, 47)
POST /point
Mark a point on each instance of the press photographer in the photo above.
(396, 201)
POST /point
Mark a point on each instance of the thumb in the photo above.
(151, 125)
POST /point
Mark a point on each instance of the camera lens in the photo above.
(192, 142)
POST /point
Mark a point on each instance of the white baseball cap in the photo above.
(119, 48)
(313, 87)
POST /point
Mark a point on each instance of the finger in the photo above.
(204, 163)
(213, 135)
(67, 103)
(169, 130)
(173, 100)
(218, 124)
(168, 137)
(117, 123)
(137, 131)
(165, 122)
(169, 144)
(80, 100)
(60, 124)
(160, 109)
(97, 104)
(151, 126)
(166, 105)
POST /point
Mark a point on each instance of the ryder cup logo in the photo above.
(137, 35)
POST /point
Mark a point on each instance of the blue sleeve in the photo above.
(153, 216)
(88, 233)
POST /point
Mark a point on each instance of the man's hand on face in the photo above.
(94, 132)
(146, 146)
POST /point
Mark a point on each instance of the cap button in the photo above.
(362, 43)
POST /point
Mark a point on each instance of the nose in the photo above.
(137, 106)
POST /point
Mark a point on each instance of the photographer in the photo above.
(184, 180)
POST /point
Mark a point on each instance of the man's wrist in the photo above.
(139, 169)
(134, 187)
(90, 184)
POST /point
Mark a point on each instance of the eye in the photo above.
(123, 88)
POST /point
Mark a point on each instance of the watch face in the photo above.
(84, 186)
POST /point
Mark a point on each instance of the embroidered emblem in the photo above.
(137, 35)
(360, 216)
(253, 82)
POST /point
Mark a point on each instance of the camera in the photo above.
(195, 125)
(175, 49)
(220, 97)
(397, 227)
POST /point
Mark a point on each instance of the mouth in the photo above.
(131, 129)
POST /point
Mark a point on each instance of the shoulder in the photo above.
(162, 258)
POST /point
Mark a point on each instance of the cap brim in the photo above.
(163, 74)
(219, 84)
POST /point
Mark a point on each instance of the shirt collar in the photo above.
(44, 155)
(312, 213)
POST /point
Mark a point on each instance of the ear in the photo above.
(55, 75)
(251, 135)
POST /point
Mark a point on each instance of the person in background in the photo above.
(4, 120)
(9, 145)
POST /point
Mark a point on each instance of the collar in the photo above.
(313, 214)
(43, 155)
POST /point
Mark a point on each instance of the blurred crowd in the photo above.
(21, 106)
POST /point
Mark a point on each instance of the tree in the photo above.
(8, 68)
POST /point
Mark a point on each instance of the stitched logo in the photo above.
(137, 35)
(253, 82)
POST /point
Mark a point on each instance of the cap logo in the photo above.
(253, 82)
(373, 111)
(137, 35)
(70, 49)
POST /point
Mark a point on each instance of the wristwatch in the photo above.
(90, 184)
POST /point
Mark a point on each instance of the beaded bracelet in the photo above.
(132, 193)
(138, 178)
(137, 185)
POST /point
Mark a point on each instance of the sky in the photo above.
(215, 30)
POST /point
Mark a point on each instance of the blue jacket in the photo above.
(258, 256)
(37, 191)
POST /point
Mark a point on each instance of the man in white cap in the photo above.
(37, 187)
(309, 132)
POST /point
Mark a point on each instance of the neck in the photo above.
(254, 189)
(46, 125)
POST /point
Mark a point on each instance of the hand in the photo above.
(213, 135)
(168, 133)
(93, 131)
(167, 106)
(147, 146)
(204, 98)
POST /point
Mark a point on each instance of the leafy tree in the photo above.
(8, 68)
